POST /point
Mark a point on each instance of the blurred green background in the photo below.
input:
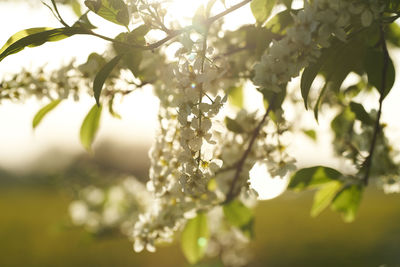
(35, 229)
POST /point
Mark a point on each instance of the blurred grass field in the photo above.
(35, 231)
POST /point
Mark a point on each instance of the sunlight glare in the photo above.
(185, 9)
(266, 186)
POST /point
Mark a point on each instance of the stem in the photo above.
(368, 161)
(58, 14)
(226, 12)
(203, 57)
(233, 192)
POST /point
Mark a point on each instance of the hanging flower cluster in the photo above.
(312, 30)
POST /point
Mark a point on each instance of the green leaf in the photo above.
(115, 11)
(39, 36)
(90, 127)
(311, 133)
(195, 238)
(393, 34)
(313, 177)
(102, 76)
(233, 125)
(324, 196)
(238, 215)
(132, 57)
(84, 22)
(21, 34)
(76, 7)
(335, 63)
(319, 100)
(373, 63)
(281, 21)
(43, 112)
(343, 123)
(360, 113)
(235, 96)
(261, 9)
(347, 202)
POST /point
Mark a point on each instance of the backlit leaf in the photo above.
(39, 36)
(324, 196)
(112, 10)
(195, 238)
(347, 202)
(261, 9)
(235, 96)
(43, 112)
(313, 177)
(238, 215)
(90, 127)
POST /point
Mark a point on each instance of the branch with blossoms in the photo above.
(201, 159)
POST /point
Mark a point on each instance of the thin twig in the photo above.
(368, 161)
(58, 13)
(233, 192)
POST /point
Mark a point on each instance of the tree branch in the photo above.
(368, 161)
(233, 192)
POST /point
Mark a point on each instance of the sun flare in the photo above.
(266, 186)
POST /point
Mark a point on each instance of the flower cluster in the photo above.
(313, 28)
(60, 84)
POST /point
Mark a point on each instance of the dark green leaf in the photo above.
(373, 63)
(112, 10)
(132, 57)
(195, 238)
(360, 113)
(262, 9)
(347, 202)
(90, 127)
(43, 112)
(324, 196)
(84, 22)
(102, 76)
(21, 39)
(335, 63)
(233, 125)
(313, 177)
(343, 122)
(319, 100)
